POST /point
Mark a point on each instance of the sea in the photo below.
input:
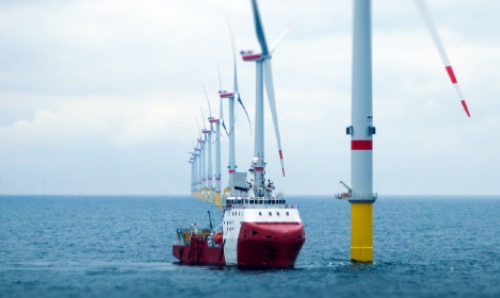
(121, 246)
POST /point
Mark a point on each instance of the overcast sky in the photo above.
(101, 97)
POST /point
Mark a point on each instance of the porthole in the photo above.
(287, 214)
(270, 214)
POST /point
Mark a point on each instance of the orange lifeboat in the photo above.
(218, 238)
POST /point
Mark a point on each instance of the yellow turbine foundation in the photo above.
(218, 201)
(227, 191)
(361, 232)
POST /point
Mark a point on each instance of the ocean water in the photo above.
(120, 246)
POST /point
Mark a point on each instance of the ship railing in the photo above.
(286, 206)
(184, 235)
(258, 202)
(357, 197)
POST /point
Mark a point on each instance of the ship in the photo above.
(259, 229)
(255, 233)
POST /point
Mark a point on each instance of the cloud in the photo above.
(111, 89)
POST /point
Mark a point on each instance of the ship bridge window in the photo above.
(277, 213)
(287, 214)
(260, 213)
(270, 214)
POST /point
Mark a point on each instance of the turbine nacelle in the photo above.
(225, 94)
(250, 56)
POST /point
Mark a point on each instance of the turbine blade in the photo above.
(208, 101)
(218, 73)
(268, 79)
(198, 125)
(203, 115)
(259, 29)
(246, 113)
(235, 66)
(225, 128)
(221, 117)
(278, 40)
(424, 11)
(235, 86)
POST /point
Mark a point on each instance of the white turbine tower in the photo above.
(263, 73)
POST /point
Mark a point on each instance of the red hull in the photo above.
(260, 246)
(270, 245)
(199, 253)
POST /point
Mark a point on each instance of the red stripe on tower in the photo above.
(281, 154)
(451, 74)
(361, 145)
(231, 171)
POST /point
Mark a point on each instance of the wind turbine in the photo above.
(202, 168)
(193, 172)
(263, 73)
(231, 96)
(197, 160)
(217, 123)
(361, 195)
(208, 137)
(221, 110)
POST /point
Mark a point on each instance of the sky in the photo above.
(102, 97)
